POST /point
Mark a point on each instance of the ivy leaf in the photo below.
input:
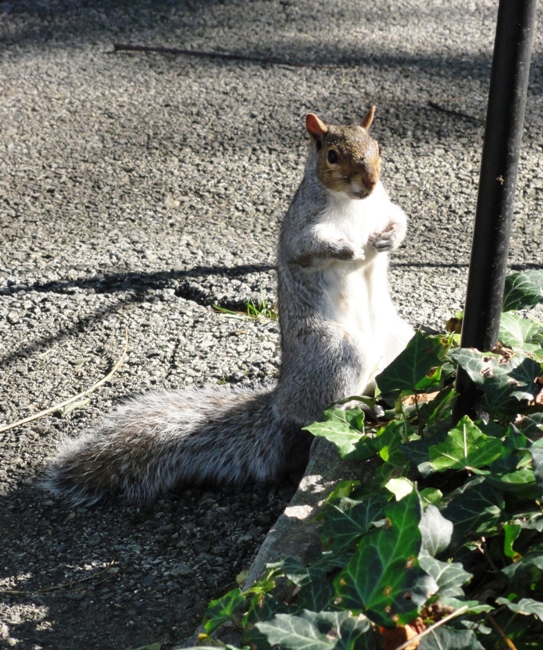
(511, 533)
(475, 509)
(536, 451)
(526, 606)
(531, 425)
(500, 379)
(318, 631)
(449, 576)
(316, 589)
(430, 496)
(528, 568)
(520, 483)
(400, 487)
(515, 332)
(411, 366)
(523, 290)
(436, 531)
(389, 438)
(350, 519)
(465, 447)
(317, 595)
(223, 609)
(470, 606)
(383, 577)
(345, 430)
(447, 638)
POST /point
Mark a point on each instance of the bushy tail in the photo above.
(158, 440)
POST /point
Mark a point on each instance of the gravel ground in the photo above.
(139, 189)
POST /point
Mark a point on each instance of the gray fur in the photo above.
(338, 326)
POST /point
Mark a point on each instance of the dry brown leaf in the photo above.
(420, 398)
(395, 637)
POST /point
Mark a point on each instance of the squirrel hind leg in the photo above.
(295, 446)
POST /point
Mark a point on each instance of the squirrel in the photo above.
(338, 328)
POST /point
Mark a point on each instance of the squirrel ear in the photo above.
(315, 127)
(367, 120)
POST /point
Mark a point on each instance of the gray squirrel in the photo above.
(338, 328)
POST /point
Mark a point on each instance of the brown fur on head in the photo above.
(348, 158)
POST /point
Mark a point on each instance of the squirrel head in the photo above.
(348, 158)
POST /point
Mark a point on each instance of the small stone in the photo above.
(181, 570)
(148, 580)
(170, 202)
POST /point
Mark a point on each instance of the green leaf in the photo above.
(389, 438)
(400, 487)
(347, 521)
(523, 290)
(531, 520)
(316, 588)
(499, 378)
(344, 429)
(411, 367)
(475, 509)
(223, 609)
(525, 606)
(263, 607)
(318, 631)
(520, 482)
(437, 412)
(72, 406)
(515, 331)
(436, 531)
(536, 451)
(528, 568)
(431, 496)
(383, 577)
(448, 638)
(450, 576)
(317, 595)
(470, 606)
(465, 447)
(511, 533)
(531, 425)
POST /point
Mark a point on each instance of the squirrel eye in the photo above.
(332, 157)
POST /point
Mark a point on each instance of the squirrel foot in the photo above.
(388, 239)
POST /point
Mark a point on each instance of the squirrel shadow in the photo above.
(73, 567)
(134, 287)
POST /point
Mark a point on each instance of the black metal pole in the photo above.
(497, 182)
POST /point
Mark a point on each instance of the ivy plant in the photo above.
(438, 544)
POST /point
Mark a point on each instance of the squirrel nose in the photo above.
(370, 183)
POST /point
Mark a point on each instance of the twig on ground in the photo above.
(494, 623)
(56, 407)
(67, 586)
(419, 636)
(228, 56)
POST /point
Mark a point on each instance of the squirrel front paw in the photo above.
(389, 239)
(344, 250)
